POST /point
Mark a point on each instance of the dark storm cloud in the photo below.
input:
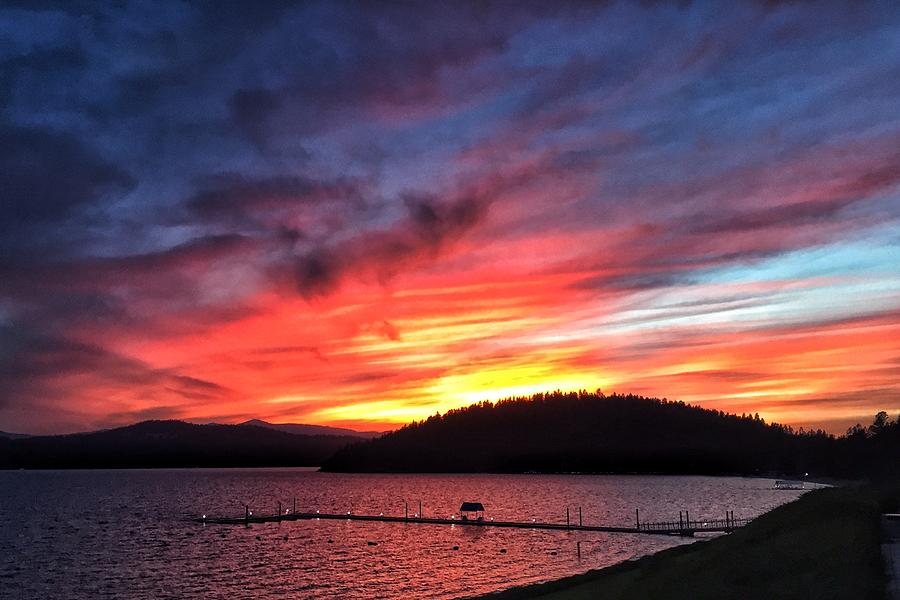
(251, 109)
(380, 57)
(151, 293)
(198, 41)
(778, 216)
(435, 223)
(241, 200)
(431, 226)
(42, 62)
(47, 176)
(29, 359)
(633, 281)
(101, 274)
(318, 272)
(845, 190)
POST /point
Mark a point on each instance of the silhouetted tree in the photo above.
(587, 432)
(857, 431)
(881, 421)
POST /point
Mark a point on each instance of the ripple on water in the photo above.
(88, 534)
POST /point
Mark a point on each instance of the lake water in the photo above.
(128, 534)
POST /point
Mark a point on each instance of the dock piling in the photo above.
(684, 526)
(578, 548)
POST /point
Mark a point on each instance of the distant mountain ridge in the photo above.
(14, 436)
(150, 444)
(547, 433)
(303, 429)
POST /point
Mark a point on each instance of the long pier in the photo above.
(683, 527)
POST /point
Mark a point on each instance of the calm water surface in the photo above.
(127, 534)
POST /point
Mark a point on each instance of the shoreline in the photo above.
(562, 584)
(823, 544)
(823, 480)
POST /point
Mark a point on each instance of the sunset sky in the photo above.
(362, 215)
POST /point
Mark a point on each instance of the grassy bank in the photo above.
(824, 545)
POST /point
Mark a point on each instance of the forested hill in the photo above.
(595, 433)
(170, 444)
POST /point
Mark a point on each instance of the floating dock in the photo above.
(684, 526)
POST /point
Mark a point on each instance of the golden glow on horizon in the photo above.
(385, 361)
(503, 382)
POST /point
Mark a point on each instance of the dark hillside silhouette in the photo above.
(556, 432)
(170, 444)
(592, 432)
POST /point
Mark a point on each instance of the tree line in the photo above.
(592, 432)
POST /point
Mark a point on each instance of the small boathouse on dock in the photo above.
(473, 510)
(472, 515)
